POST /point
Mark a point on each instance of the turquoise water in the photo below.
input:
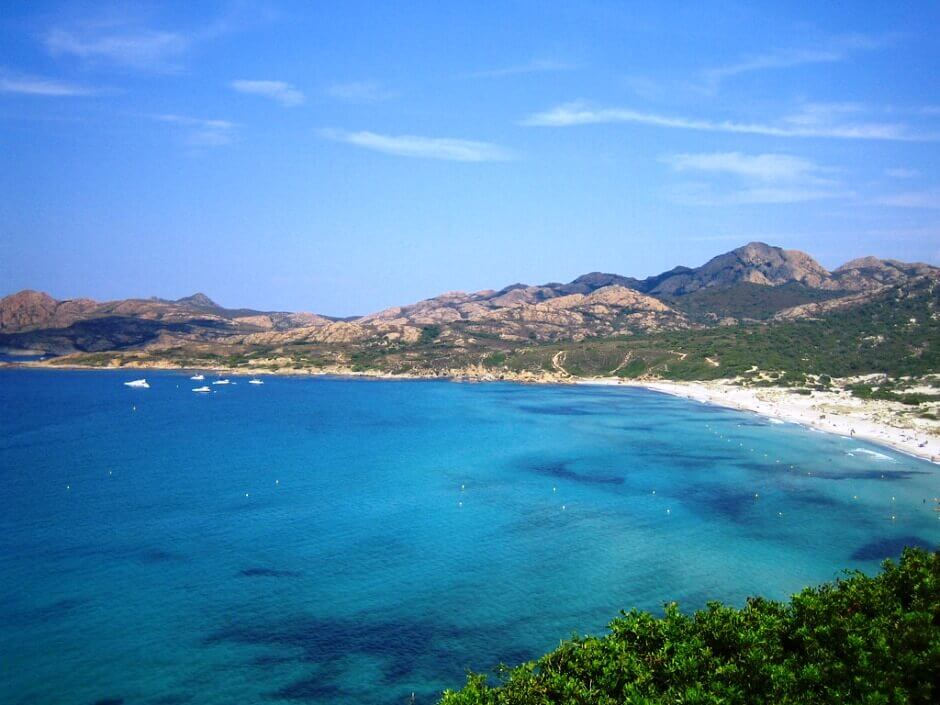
(337, 541)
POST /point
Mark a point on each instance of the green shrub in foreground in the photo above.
(861, 639)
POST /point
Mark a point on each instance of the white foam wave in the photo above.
(875, 454)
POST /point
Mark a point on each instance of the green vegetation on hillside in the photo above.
(746, 300)
(890, 392)
(872, 640)
(896, 334)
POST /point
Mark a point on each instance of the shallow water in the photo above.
(328, 540)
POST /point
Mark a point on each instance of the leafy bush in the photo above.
(494, 359)
(634, 368)
(866, 391)
(429, 334)
(872, 640)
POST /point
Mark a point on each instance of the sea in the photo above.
(330, 540)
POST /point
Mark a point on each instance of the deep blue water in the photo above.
(337, 541)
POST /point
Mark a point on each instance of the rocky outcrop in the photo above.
(26, 309)
(36, 321)
(756, 263)
(821, 308)
(871, 273)
(32, 310)
(607, 311)
(199, 301)
(547, 312)
(759, 263)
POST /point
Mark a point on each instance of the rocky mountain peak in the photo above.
(861, 263)
(25, 309)
(755, 263)
(198, 300)
(789, 264)
(871, 273)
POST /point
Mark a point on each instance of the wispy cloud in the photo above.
(902, 173)
(283, 93)
(762, 167)
(359, 92)
(778, 60)
(757, 178)
(457, 150)
(39, 86)
(201, 132)
(579, 113)
(130, 37)
(533, 66)
(141, 49)
(836, 49)
(706, 195)
(913, 199)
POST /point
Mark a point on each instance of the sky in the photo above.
(346, 157)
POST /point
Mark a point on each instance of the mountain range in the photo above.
(753, 284)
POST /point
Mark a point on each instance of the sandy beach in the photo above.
(838, 412)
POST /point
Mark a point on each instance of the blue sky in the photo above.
(347, 157)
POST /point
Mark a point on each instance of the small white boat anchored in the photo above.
(221, 381)
(255, 381)
(138, 384)
(202, 390)
(198, 378)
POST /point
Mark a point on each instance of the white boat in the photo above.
(202, 390)
(198, 378)
(221, 381)
(255, 381)
(138, 384)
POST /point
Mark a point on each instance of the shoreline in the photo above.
(456, 375)
(829, 412)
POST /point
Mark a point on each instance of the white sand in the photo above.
(887, 423)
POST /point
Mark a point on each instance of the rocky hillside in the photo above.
(759, 263)
(755, 281)
(547, 312)
(868, 273)
(29, 310)
(32, 320)
(34, 310)
(755, 263)
(751, 283)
